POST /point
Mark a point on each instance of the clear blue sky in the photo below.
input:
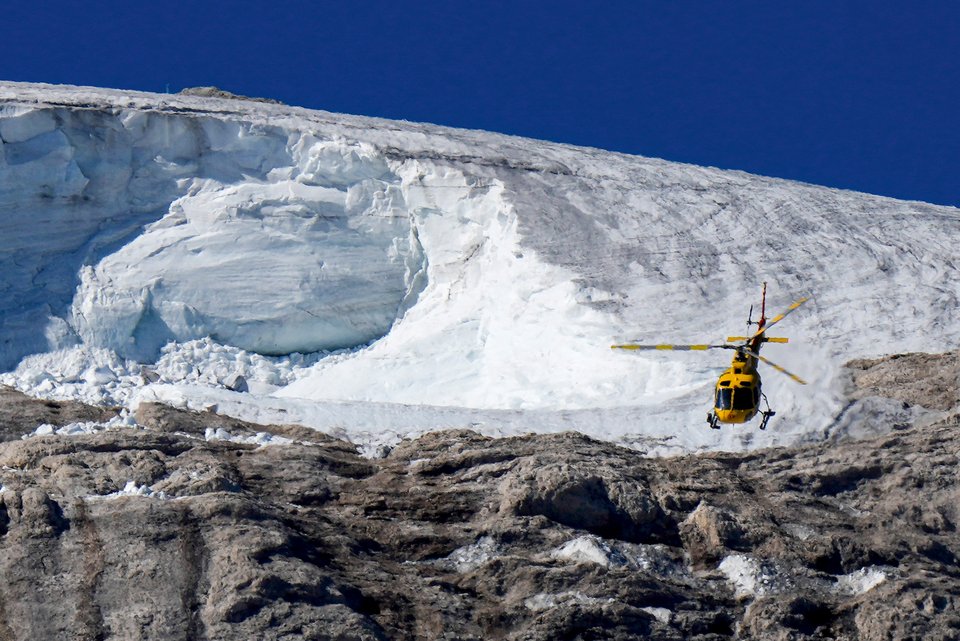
(855, 94)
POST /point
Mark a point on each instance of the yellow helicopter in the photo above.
(738, 392)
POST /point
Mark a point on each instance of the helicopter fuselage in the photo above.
(737, 394)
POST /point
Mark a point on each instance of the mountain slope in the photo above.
(198, 526)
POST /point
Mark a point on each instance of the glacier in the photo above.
(376, 279)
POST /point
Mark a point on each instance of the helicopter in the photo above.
(738, 392)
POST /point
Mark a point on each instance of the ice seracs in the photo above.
(298, 260)
(128, 229)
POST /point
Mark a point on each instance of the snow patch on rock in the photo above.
(260, 438)
(125, 420)
(133, 489)
(589, 549)
(862, 580)
(470, 557)
(752, 577)
(540, 602)
(663, 615)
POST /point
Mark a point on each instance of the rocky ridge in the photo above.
(196, 526)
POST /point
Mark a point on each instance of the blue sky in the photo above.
(846, 93)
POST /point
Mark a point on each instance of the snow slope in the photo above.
(438, 277)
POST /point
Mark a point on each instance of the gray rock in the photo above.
(928, 380)
(158, 533)
(216, 92)
(20, 414)
(708, 533)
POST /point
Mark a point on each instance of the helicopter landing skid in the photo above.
(766, 417)
(767, 414)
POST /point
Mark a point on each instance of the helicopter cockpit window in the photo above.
(724, 399)
(743, 399)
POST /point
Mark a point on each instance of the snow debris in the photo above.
(663, 615)
(260, 438)
(862, 580)
(472, 556)
(206, 362)
(132, 489)
(540, 602)
(124, 420)
(92, 375)
(752, 577)
(589, 549)
(100, 377)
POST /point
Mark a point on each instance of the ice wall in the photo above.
(125, 229)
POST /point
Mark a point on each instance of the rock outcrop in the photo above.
(930, 380)
(197, 526)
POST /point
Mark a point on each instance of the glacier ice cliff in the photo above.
(126, 229)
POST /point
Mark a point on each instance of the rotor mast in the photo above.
(758, 338)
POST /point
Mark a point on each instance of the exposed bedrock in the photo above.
(187, 529)
(928, 380)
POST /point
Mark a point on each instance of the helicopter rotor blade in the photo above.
(695, 348)
(775, 366)
(777, 319)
